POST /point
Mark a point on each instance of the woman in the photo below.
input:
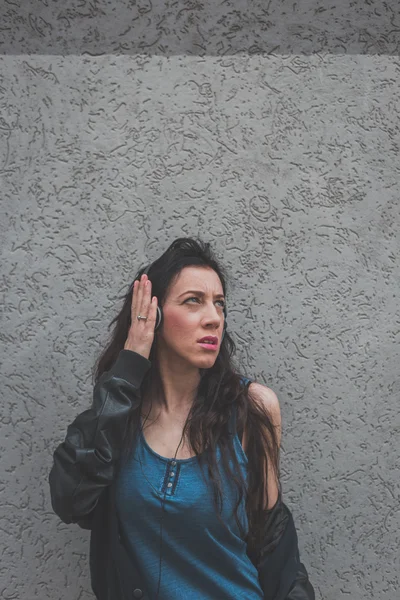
(175, 467)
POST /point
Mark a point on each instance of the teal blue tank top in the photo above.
(201, 560)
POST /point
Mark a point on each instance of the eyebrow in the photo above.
(200, 293)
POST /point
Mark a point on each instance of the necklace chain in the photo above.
(162, 499)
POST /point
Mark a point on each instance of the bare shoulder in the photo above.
(267, 398)
(264, 394)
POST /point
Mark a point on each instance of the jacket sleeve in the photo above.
(301, 588)
(282, 576)
(84, 463)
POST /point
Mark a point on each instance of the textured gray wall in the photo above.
(273, 133)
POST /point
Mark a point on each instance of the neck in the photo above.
(180, 381)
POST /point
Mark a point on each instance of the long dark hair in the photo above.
(220, 391)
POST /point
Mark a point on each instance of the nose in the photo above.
(214, 318)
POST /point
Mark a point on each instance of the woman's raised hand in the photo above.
(141, 332)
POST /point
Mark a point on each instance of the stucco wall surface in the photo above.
(260, 132)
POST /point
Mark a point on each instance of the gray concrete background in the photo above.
(207, 28)
(288, 162)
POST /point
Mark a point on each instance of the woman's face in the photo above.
(193, 309)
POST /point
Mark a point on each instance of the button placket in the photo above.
(171, 472)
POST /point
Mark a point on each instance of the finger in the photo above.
(153, 310)
(134, 299)
(141, 292)
(146, 297)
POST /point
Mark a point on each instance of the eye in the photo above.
(222, 302)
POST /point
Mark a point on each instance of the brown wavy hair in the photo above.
(219, 392)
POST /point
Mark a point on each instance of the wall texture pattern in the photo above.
(272, 133)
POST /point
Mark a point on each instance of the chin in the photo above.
(206, 362)
(201, 360)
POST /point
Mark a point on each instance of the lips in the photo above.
(209, 338)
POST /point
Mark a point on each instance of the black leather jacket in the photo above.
(82, 491)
